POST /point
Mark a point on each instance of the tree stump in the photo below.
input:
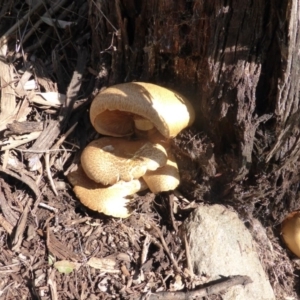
(237, 63)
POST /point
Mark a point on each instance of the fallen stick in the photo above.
(214, 287)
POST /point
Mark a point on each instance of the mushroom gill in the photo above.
(114, 110)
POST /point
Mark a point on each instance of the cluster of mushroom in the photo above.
(139, 120)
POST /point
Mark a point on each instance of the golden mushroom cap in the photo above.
(165, 178)
(117, 110)
(290, 230)
(109, 160)
(110, 200)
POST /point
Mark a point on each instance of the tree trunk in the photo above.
(238, 62)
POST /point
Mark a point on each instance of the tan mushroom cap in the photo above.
(290, 229)
(114, 110)
(109, 160)
(110, 200)
(165, 178)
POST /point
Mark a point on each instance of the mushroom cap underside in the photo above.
(114, 110)
(109, 160)
(110, 200)
(290, 229)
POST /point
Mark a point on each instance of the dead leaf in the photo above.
(106, 264)
(49, 98)
(30, 85)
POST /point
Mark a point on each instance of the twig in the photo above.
(12, 29)
(43, 151)
(49, 12)
(43, 205)
(54, 25)
(145, 248)
(211, 288)
(52, 284)
(180, 196)
(105, 17)
(188, 255)
(61, 140)
(38, 200)
(171, 203)
(20, 228)
(47, 161)
(20, 140)
(165, 246)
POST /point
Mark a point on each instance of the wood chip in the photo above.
(21, 176)
(19, 128)
(58, 249)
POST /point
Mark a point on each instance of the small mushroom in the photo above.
(109, 160)
(290, 230)
(120, 109)
(110, 200)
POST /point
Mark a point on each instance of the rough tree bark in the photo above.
(238, 62)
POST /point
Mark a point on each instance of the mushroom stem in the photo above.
(143, 124)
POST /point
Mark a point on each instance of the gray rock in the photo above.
(221, 245)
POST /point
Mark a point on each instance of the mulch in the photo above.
(52, 247)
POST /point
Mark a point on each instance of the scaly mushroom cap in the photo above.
(117, 110)
(165, 178)
(109, 160)
(290, 229)
(110, 200)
